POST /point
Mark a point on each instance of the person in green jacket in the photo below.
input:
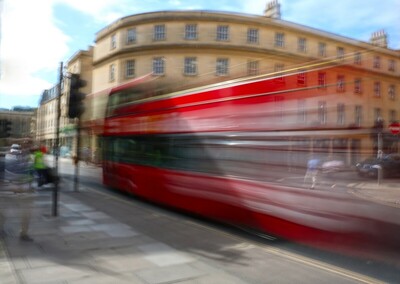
(40, 167)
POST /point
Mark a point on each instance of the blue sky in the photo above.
(34, 43)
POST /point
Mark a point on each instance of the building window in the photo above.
(392, 65)
(322, 49)
(131, 36)
(377, 89)
(392, 115)
(322, 112)
(113, 43)
(340, 53)
(340, 85)
(159, 32)
(112, 72)
(158, 66)
(302, 44)
(130, 68)
(321, 80)
(358, 115)
(357, 86)
(340, 114)
(252, 68)
(191, 31)
(377, 114)
(279, 39)
(301, 78)
(301, 111)
(252, 35)
(221, 69)
(190, 67)
(279, 72)
(377, 62)
(357, 58)
(392, 92)
(222, 33)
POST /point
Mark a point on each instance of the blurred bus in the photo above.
(222, 151)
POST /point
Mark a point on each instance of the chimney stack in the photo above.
(379, 38)
(273, 10)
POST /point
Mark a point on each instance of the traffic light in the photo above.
(378, 127)
(75, 105)
(379, 124)
(5, 128)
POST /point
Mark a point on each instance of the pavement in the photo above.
(111, 241)
(386, 192)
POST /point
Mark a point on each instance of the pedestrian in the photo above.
(40, 167)
(19, 193)
(313, 166)
(86, 153)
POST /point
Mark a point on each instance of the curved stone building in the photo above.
(186, 48)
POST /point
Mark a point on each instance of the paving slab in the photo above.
(53, 274)
(7, 275)
(163, 255)
(170, 274)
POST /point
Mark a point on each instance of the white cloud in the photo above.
(255, 7)
(30, 43)
(102, 11)
(356, 19)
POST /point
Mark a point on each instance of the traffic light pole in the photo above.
(75, 110)
(77, 158)
(57, 144)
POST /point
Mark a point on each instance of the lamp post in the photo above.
(379, 123)
(378, 128)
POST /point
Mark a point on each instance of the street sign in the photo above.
(394, 128)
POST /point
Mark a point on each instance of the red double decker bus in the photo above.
(236, 151)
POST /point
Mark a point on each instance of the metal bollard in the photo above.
(379, 175)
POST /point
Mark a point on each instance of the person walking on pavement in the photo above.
(86, 154)
(19, 194)
(313, 165)
(40, 166)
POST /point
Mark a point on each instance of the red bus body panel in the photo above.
(318, 218)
